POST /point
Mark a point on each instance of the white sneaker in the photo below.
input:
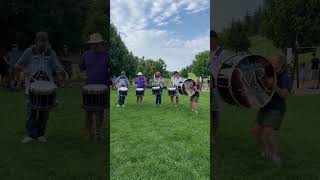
(197, 112)
(42, 139)
(122, 106)
(118, 105)
(26, 140)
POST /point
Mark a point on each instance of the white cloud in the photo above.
(141, 24)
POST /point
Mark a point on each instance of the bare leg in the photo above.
(195, 106)
(258, 133)
(269, 142)
(171, 100)
(99, 124)
(177, 100)
(88, 124)
(190, 104)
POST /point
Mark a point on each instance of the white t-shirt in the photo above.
(217, 60)
(176, 80)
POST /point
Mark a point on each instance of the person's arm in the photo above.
(57, 67)
(283, 90)
(23, 61)
(283, 93)
(82, 64)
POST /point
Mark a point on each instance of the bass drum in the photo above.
(187, 87)
(246, 80)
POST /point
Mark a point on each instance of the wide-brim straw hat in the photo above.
(139, 74)
(95, 38)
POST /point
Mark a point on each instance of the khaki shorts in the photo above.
(270, 118)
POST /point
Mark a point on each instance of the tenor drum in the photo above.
(139, 92)
(243, 80)
(156, 91)
(94, 97)
(187, 87)
(123, 91)
(172, 91)
(42, 95)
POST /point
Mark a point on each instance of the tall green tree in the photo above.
(201, 65)
(148, 67)
(121, 58)
(286, 21)
(236, 37)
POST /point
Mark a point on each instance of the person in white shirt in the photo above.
(175, 80)
(218, 54)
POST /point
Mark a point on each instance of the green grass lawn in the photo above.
(236, 155)
(159, 143)
(66, 156)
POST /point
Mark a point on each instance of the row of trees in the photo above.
(124, 60)
(286, 22)
(67, 22)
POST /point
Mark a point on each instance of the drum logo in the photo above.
(251, 74)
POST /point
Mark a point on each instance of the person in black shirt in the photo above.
(270, 117)
(315, 71)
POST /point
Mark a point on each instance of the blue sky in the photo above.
(174, 30)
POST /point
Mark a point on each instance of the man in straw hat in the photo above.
(96, 63)
(38, 62)
(140, 83)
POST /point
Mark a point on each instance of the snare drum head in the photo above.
(172, 89)
(140, 89)
(95, 87)
(43, 86)
(155, 88)
(123, 89)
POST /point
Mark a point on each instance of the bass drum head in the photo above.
(248, 81)
(187, 87)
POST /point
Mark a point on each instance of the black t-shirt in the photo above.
(315, 64)
(278, 103)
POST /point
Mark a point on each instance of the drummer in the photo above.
(95, 62)
(175, 80)
(270, 117)
(31, 66)
(140, 83)
(217, 55)
(195, 97)
(122, 81)
(159, 82)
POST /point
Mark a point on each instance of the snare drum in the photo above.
(172, 91)
(187, 87)
(123, 91)
(42, 95)
(156, 91)
(243, 80)
(94, 97)
(139, 92)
